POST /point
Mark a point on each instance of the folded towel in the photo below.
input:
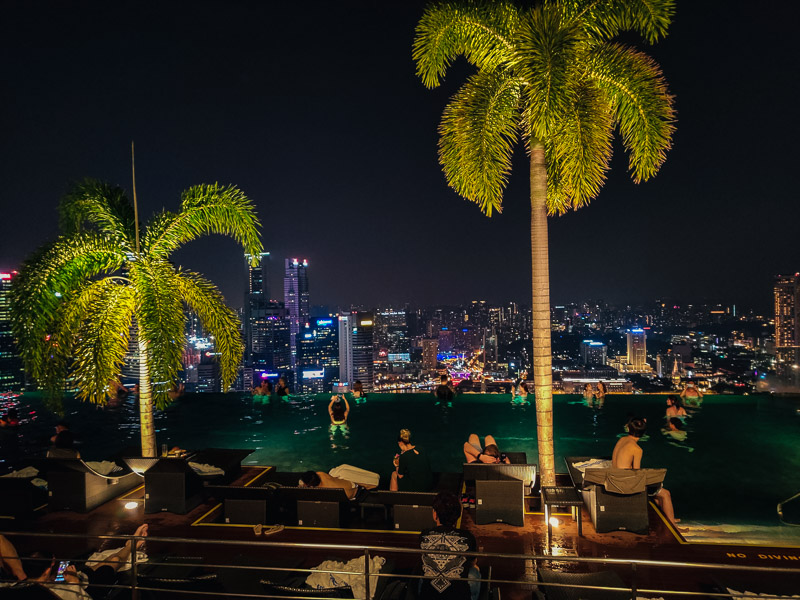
(745, 595)
(592, 463)
(103, 467)
(356, 475)
(99, 557)
(354, 578)
(207, 470)
(26, 472)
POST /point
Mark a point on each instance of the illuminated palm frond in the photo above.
(478, 132)
(205, 209)
(217, 318)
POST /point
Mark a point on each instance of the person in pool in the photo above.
(691, 396)
(338, 409)
(674, 429)
(628, 455)
(600, 393)
(588, 392)
(265, 389)
(412, 470)
(675, 406)
(283, 388)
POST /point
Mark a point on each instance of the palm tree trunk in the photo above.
(146, 425)
(542, 355)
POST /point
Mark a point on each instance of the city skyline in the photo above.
(337, 147)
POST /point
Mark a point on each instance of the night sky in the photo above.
(314, 110)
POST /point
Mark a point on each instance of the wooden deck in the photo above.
(663, 543)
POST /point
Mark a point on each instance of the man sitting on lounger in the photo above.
(323, 480)
(628, 455)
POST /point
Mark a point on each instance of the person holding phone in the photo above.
(64, 580)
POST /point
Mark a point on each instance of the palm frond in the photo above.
(640, 103)
(96, 206)
(480, 31)
(206, 209)
(161, 322)
(99, 318)
(559, 196)
(478, 130)
(38, 295)
(219, 320)
(583, 145)
(547, 61)
(607, 18)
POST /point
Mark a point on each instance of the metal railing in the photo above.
(143, 577)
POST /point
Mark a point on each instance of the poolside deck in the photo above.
(663, 543)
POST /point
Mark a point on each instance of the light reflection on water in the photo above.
(743, 447)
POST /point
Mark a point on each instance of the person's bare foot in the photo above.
(141, 531)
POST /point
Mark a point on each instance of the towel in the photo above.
(206, 470)
(103, 467)
(624, 481)
(592, 463)
(745, 595)
(362, 477)
(354, 578)
(99, 557)
(26, 472)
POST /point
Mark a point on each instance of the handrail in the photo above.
(367, 551)
(780, 511)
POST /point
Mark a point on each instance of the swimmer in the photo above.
(674, 429)
(691, 396)
(338, 409)
(675, 406)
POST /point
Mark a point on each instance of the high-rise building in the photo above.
(593, 353)
(11, 372)
(295, 296)
(787, 325)
(269, 337)
(356, 355)
(430, 352)
(318, 355)
(258, 275)
(637, 349)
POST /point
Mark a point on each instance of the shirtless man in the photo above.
(323, 480)
(628, 455)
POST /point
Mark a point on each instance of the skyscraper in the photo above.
(295, 297)
(318, 355)
(593, 353)
(11, 373)
(256, 298)
(787, 324)
(637, 349)
(356, 358)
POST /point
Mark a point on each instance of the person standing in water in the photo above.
(338, 409)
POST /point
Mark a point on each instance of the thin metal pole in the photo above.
(633, 581)
(134, 572)
(366, 574)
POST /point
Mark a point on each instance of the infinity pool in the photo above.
(741, 456)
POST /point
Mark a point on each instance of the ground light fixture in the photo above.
(131, 505)
(554, 522)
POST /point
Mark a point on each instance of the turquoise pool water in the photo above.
(741, 456)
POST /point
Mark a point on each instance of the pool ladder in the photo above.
(780, 510)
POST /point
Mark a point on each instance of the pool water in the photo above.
(741, 456)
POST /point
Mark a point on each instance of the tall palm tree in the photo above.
(553, 76)
(75, 300)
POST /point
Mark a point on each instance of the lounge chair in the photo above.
(77, 485)
(613, 510)
(20, 498)
(573, 581)
(500, 491)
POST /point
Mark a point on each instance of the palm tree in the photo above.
(553, 77)
(76, 299)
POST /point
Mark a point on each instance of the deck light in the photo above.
(554, 522)
(131, 505)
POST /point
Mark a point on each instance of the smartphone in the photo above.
(62, 566)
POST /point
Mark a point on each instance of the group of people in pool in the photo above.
(265, 389)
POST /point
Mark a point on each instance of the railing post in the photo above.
(633, 581)
(366, 574)
(134, 575)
